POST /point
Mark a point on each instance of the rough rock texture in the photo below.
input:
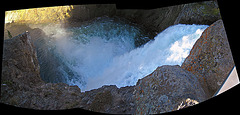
(38, 15)
(199, 13)
(20, 62)
(81, 13)
(165, 89)
(152, 20)
(44, 54)
(109, 99)
(210, 58)
(22, 86)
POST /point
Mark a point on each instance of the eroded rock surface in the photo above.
(22, 86)
(206, 12)
(210, 58)
(165, 89)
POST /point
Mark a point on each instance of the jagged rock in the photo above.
(154, 20)
(109, 99)
(19, 62)
(21, 84)
(210, 58)
(165, 89)
(206, 12)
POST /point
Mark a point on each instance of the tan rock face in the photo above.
(210, 58)
(38, 15)
(165, 89)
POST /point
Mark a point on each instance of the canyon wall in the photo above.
(172, 86)
(152, 20)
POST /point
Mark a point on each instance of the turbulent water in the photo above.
(109, 52)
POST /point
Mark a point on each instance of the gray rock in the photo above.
(210, 58)
(206, 12)
(165, 89)
(21, 84)
(19, 63)
(109, 99)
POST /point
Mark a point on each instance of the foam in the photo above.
(104, 53)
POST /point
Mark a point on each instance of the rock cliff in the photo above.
(19, 62)
(210, 58)
(206, 12)
(22, 86)
(152, 20)
(165, 89)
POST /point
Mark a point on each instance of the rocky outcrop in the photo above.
(152, 20)
(206, 12)
(109, 99)
(165, 89)
(22, 86)
(39, 15)
(210, 58)
(19, 62)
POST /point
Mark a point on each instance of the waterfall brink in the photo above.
(110, 52)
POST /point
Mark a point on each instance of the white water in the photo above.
(109, 57)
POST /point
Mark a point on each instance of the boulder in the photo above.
(21, 84)
(19, 63)
(210, 58)
(165, 89)
(109, 99)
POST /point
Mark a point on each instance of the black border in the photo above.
(225, 102)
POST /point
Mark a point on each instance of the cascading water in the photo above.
(109, 52)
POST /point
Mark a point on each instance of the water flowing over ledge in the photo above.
(88, 53)
(104, 51)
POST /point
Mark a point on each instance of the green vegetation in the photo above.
(9, 34)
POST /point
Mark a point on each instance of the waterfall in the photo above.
(110, 52)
